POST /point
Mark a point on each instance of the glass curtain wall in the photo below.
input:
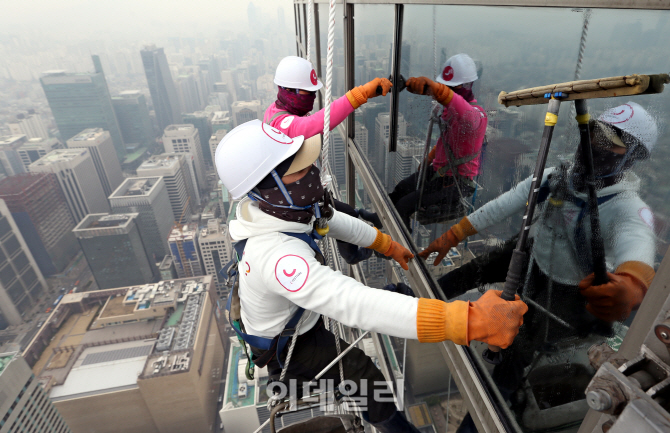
(544, 374)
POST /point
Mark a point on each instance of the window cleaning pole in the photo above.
(493, 354)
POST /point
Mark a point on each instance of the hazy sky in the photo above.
(118, 19)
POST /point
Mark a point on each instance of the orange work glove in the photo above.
(489, 319)
(425, 86)
(623, 293)
(450, 239)
(385, 245)
(495, 321)
(360, 95)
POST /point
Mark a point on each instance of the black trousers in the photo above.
(315, 349)
(538, 330)
(436, 191)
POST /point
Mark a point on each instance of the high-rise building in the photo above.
(133, 116)
(40, 211)
(35, 148)
(337, 152)
(185, 139)
(202, 121)
(148, 358)
(216, 250)
(114, 250)
(221, 120)
(148, 197)
(166, 268)
(161, 86)
(384, 159)
(25, 406)
(406, 162)
(215, 140)
(81, 101)
(22, 285)
(9, 154)
(100, 146)
(183, 242)
(78, 179)
(30, 125)
(245, 111)
(179, 180)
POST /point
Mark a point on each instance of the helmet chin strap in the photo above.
(256, 197)
(620, 166)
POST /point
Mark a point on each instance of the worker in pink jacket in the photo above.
(456, 158)
(297, 86)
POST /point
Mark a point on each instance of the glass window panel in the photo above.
(29, 277)
(7, 275)
(20, 261)
(551, 346)
(4, 227)
(11, 245)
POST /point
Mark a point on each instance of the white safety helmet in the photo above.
(632, 119)
(297, 73)
(457, 70)
(248, 153)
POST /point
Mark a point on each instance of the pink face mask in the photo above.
(295, 103)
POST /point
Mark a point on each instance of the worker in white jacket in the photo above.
(560, 277)
(281, 274)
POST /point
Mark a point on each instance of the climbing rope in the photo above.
(582, 43)
(435, 40)
(325, 162)
(310, 10)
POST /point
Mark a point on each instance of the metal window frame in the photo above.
(593, 4)
(463, 364)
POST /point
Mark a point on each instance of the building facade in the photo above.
(180, 183)
(246, 111)
(39, 209)
(183, 243)
(133, 116)
(35, 148)
(114, 250)
(100, 146)
(215, 139)
(78, 180)
(82, 101)
(186, 139)
(9, 154)
(216, 251)
(202, 120)
(161, 86)
(22, 285)
(31, 125)
(25, 406)
(148, 196)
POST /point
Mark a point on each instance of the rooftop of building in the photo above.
(161, 161)
(220, 116)
(89, 134)
(12, 140)
(130, 93)
(38, 142)
(166, 263)
(104, 221)
(247, 104)
(59, 155)
(136, 187)
(5, 359)
(183, 232)
(20, 183)
(214, 230)
(98, 349)
(186, 128)
(204, 114)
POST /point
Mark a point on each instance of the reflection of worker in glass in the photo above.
(455, 160)
(297, 86)
(560, 277)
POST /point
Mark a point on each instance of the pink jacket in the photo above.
(308, 126)
(466, 127)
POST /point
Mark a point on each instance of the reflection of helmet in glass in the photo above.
(457, 70)
(631, 126)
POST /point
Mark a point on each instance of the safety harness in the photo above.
(583, 250)
(277, 114)
(271, 346)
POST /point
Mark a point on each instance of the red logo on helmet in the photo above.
(448, 73)
(620, 114)
(276, 134)
(312, 77)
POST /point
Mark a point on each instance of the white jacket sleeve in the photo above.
(346, 228)
(505, 205)
(629, 235)
(302, 280)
